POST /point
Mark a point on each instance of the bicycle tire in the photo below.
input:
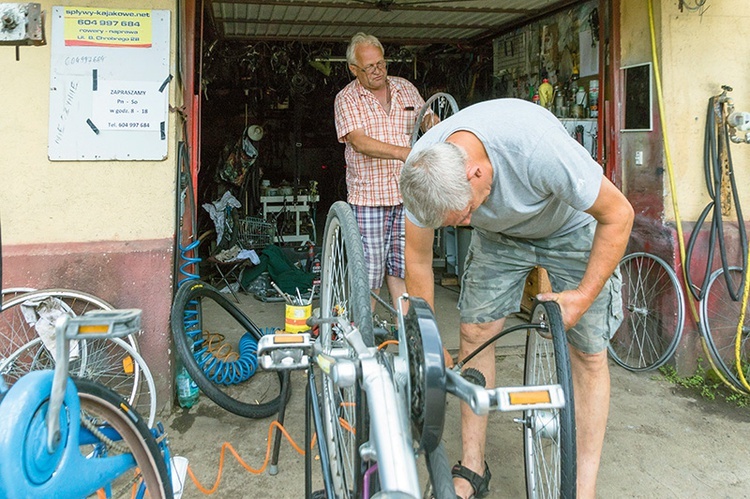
(654, 314)
(344, 290)
(441, 104)
(103, 406)
(243, 398)
(439, 469)
(719, 315)
(106, 440)
(103, 360)
(549, 435)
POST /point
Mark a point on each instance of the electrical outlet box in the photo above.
(639, 158)
(21, 24)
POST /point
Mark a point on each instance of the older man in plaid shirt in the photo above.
(375, 115)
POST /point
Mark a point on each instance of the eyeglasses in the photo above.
(370, 68)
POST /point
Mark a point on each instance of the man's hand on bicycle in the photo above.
(573, 304)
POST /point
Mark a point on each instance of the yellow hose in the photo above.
(738, 338)
(673, 191)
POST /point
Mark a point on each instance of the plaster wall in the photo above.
(697, 52)
(103, 227)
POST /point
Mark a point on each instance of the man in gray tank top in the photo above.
(534, 196)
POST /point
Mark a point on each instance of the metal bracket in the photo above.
(21, 24)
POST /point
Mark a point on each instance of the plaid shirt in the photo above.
(373, 181)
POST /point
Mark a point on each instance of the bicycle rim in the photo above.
(719, 315)
(549, 435)
(199, 310)
(440, 105)
(104, 410)
(654, 314)
(344, 291)
(15, 329)
(9, 293)
(112, 362)
(115, 364)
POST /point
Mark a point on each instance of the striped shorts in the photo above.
(383, 238)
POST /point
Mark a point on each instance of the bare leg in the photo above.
(473, 427)
(374, 302)
(396, 287)
(591, 391)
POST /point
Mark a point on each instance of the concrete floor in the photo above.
(661, 441)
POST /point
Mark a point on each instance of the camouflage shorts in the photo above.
(495, 273)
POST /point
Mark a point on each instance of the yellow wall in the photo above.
(697, 54)
(79, 201)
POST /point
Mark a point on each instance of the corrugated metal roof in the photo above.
(411, 22)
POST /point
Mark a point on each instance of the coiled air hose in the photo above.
(218, 370)
(228, 372)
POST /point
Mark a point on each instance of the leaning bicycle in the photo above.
(64, 437)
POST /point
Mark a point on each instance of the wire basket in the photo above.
(255, 233)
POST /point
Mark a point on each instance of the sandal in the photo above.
(480, 484)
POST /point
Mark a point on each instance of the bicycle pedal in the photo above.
(284, 352)
(522, 398)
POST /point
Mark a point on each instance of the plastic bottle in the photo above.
(546, 94)
(187, 390)
(316, 270)
(593, 98)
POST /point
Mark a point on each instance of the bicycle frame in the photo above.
(46, 408)
(385, 380)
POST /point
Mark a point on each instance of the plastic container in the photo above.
(593, 98)
(187, 390)
(315, 269)
(296, 318)
(581, 97)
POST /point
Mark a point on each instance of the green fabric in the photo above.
(282, 271)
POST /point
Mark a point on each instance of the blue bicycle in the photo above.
(65, 437)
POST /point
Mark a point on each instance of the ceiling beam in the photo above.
(273, 22)
(340, 39)
(373, 6)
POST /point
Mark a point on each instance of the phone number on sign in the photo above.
(130, 125)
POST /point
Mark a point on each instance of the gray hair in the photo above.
(434, 183)
(361, 39)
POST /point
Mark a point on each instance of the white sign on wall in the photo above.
(129, 106)
(109, 84)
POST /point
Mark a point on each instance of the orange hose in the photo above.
(227, 445)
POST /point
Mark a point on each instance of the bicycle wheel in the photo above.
(258, 396)
(719, 315)
(24, 323)
(654, 314)
(440, 106)
(112, 362)
(549, 435)
(344, 291)
(102, 412)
